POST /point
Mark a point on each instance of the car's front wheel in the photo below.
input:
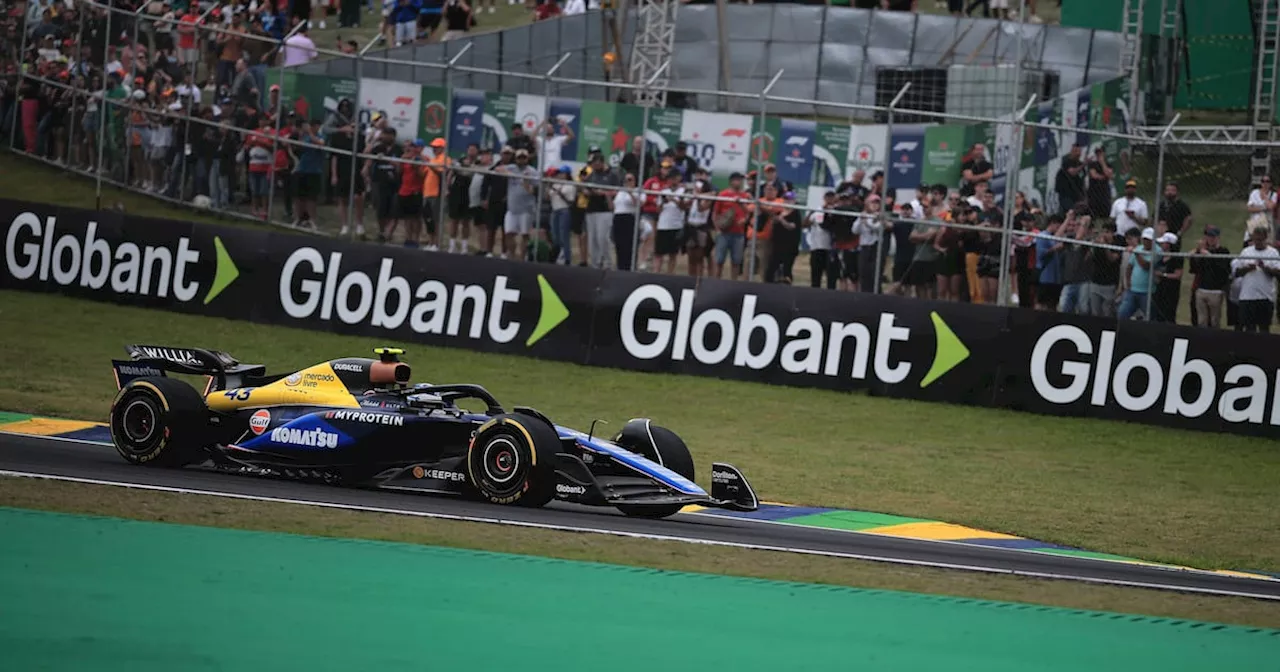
(158, 421)
(661, 445)
(511, 460)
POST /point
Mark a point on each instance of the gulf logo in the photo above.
(259, 422)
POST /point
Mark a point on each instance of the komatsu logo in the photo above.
(312, 438)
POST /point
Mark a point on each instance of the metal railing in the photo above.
(1201, 165)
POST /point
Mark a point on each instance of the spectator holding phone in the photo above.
(1213, 277)
(1257, 267)
(1129, 211)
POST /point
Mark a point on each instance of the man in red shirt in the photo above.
(188, 50)
(730, 219)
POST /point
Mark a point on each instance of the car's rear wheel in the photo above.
(661, 445)
(158, 421)
(511, 460)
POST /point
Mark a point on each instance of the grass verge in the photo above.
(1143, 491)
(299, 519)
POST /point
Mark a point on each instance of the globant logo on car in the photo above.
(315, 286)
(35, 252)
(803, 345)
(1066, 365)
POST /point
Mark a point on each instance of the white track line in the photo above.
(640, 535)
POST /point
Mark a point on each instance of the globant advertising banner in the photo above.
(1159, 374)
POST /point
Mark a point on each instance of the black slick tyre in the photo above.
(158, 422)
(511, 460)
(661, 445)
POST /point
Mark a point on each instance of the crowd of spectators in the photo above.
(156, 98)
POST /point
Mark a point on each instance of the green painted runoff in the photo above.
(79, 592)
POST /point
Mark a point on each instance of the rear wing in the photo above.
(223, 370)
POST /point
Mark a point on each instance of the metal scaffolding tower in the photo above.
(652, 49)
(1131, 52)
(1168, 55)
(1267, 23)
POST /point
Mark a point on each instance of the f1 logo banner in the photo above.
(797, 336)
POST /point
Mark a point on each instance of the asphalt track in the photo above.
(80, 461)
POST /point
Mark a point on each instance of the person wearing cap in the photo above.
(518, 223)
(1142, 260)
(562, 198)
(699, 235)
(1213, 278)
(599, 185)
(1168, 279)
(383, 175)
(1129, 211)
(670, 222)
(434, 172)
(731, 216)
(496, 203)
(681, 161)
(1257, 268)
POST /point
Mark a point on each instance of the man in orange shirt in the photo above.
(730, 219)
(772, 210)
(437, 163)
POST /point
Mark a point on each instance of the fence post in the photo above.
(751, 221)
(275, 138)
(542, 153)
(1013, 163)
(1154, 213)
(22, 75)
(640, 171)
(133, 75)
(448, 131)
(888, 147)
(102, 118)
(356, 173)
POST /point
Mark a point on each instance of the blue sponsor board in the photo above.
(795, 151)
(906, 157)
(466, 125)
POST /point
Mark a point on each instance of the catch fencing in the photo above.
(1026, 148)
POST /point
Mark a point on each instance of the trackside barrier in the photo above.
(1153, 373)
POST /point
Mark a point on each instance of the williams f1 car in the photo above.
(360, 422)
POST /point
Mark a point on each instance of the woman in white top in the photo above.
(1262, 201)
(819, 240)
(698, 235)
(625, 208)
(671, 208)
